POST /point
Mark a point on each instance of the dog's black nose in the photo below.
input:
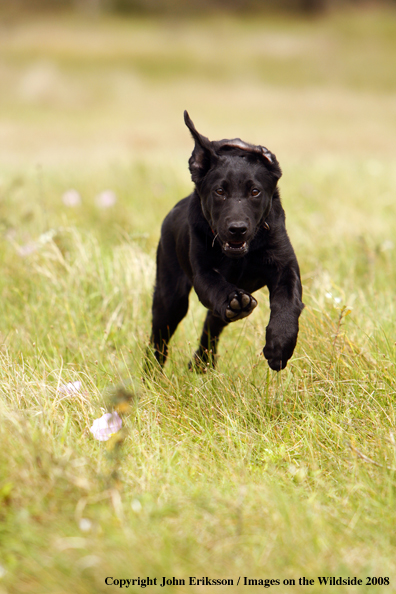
(237, 228)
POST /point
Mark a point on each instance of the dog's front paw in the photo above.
(240, 305)
(279, 348)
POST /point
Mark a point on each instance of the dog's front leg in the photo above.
(222, 298)
(286, 306)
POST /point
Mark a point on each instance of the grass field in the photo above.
(240, 472)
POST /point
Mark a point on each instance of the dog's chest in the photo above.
(247, 273)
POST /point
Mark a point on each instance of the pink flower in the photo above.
(106, 199)
(71, 198)
(103, 428)
(27, 249)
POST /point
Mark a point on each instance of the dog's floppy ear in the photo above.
(203, 153)
(262, 151)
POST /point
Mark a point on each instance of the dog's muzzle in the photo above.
(235, 249)
(236, 244)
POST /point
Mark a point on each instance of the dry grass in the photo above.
(107, 90)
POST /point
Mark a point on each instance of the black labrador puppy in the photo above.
(227, 240)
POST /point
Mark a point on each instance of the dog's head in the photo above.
(235, 182)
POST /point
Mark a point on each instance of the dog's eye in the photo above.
(220, 191)
(254, 192)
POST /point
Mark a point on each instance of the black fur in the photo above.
(227, 240)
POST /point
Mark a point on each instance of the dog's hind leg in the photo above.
(205, 356)
(169, 308)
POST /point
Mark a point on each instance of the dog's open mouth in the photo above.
(235, 248)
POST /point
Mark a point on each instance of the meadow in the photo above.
(239, 472)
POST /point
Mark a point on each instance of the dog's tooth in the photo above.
(245, 300)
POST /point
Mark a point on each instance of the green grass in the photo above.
(241, 471)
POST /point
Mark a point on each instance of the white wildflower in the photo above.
(47, 236)
(103, 428)
(85, 525)
(70, 388)
(136, 506)
(387, 245)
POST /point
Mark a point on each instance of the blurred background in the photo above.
(99, 81)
